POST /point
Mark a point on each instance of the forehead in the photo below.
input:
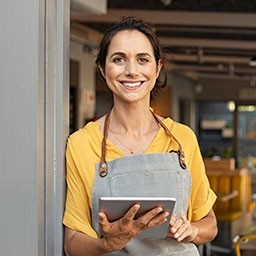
(130, 40)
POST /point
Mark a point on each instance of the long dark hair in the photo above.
(132, 23)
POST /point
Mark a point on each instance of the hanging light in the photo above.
(166, 2)
(252, 61)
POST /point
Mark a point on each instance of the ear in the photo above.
(102, 71)
(159, 67)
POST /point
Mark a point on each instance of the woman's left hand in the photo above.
(181, 229)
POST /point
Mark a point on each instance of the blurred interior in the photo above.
(210, 50)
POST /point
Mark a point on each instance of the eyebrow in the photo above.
(117, 53)
(123, 54)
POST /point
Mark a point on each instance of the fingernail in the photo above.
(100, 217)
(166, 214)
(137, 206)
(159, 209)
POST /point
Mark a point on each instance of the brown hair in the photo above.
(131, 23)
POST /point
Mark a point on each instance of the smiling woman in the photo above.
(133, 25)
(130, 67)
(132, 152)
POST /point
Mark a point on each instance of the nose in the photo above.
(131, 68)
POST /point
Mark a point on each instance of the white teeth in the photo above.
(131, 84)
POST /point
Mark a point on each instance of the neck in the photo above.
(132, 130)
(135, 121)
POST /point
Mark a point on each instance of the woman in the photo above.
(133, 152)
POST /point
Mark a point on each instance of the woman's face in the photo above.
(131, 69)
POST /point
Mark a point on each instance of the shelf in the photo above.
(213, 124)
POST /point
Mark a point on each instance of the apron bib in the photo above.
(158, 174)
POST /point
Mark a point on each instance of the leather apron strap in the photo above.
(103, 167)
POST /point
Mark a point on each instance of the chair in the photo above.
(247, 235)
(233, 206)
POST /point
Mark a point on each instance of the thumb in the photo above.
(102, 218)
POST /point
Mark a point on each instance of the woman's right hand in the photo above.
(118, 233)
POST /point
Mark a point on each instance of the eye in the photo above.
(118, 60)
(143, 60)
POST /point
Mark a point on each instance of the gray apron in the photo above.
(158, 174)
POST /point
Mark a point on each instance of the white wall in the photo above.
(20, 163)
(34, 124)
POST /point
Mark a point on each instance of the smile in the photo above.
(132, 84)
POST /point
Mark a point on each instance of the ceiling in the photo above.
(201, 39)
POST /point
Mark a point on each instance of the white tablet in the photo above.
(116, 207)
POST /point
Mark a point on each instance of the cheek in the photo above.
(112, 72)
(151, 72)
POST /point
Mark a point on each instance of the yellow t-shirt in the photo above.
(84, 151)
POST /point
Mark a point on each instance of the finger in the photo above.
(181, 237)
(153, 214)
(129, 216)
(159, 219)
(173, 219)
(176, 225)
(183, 217)
(103, 221)
(103, 218)
(181, 232)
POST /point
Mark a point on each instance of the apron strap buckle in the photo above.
(181, 157)
(103, 169)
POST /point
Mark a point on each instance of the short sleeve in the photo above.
(202, 197)
(77, 209)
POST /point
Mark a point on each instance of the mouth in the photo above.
(132, 85)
